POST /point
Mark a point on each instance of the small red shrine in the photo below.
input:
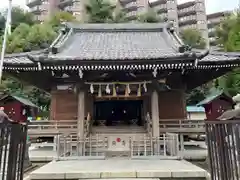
(216, 104)
(18, 108)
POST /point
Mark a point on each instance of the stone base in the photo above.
(111, 154)
(119, 168)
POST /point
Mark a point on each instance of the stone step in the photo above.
(119, 169)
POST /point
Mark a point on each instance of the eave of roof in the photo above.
(214, 95)
(21, 100)
(177, 56)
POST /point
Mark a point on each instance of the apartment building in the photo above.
(167, 9)
(193, 15)
(213, 20)
(187, 15)
(42, 9)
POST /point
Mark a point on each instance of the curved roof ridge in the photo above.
(118, 26)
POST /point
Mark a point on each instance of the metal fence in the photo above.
(223, 138)
(12, 150)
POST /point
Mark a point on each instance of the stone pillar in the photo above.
(155, 114)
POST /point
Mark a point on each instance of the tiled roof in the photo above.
(118, 42)
(25, 101)
(20, 58)
(220, 57)
(213, 95)
(118, 45)
(22, 100)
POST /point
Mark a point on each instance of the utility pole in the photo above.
(6, 32)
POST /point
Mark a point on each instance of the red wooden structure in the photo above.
(18, 108)
(216, 104)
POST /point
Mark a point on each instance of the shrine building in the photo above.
(118, 75)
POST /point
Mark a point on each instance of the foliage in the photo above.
(222, 30)
(193, 38)
(119, 16)
(26, 38)
(149, 17)
(60, 17)
(18, 16)
(233, 42)
(21, 16)
(2, 24)
(229, 37)
(99, 11)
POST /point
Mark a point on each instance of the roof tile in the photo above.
(118, 45)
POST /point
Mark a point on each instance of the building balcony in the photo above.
(161, 11)
(157, 3)
(187, 22)
(32, 3)
(64, 3)
(187, 12)
(68, 9)
(186, 5)
(125, 2)
(37, 10)
(130, 7)
(213, 25)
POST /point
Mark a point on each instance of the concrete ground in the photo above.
(118, 168)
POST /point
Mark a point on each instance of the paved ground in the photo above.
(118, 168)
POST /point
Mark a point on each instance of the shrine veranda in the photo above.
(116, 79)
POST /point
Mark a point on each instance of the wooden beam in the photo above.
(196, 78)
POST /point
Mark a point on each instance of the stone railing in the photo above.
(53, 124)
(176, 125)
(165, 146)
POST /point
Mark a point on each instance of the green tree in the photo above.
(19, 16)
(26, 38)
(2, 24)
(149, 17)
(233, 41)
(223, 29)
(40, 36)
(99, 11)
(59, 17)
(119, 16)
(229, 39)
(193, 38)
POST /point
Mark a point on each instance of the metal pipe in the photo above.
(6, 31)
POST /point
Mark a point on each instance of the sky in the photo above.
(211, 5)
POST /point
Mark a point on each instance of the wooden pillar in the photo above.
(155, 114)
(81, 113)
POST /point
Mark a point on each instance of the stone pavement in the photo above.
(119, 168)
